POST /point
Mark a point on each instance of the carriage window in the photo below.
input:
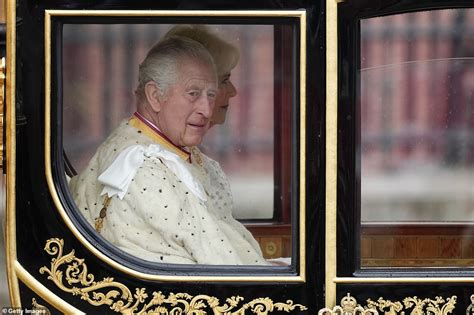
(250, 135)
(416, 103)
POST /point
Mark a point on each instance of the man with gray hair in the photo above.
(144, 190)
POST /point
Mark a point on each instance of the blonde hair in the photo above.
(225, 55)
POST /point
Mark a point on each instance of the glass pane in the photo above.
(100, 75)
(417, 137)
(243, 145)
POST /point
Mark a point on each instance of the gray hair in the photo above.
(225, 55)
(162, 62)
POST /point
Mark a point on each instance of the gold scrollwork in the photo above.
(70, 274)
(413, 305)
(417, 306)
(349, 306)
(470, 308)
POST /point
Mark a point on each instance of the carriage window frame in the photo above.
(55, 168)
(350, 228)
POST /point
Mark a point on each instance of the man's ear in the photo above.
(153, 95)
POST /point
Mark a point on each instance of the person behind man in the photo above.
(226, 57)
(144, 190)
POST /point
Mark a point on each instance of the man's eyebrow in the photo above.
(198, 83)
(194, 86)
(191, 87)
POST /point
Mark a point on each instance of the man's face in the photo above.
(186, 110)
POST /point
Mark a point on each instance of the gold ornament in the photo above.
(349, 306)
(70, 274)
(415, 306)
(411, 305)
(470, 308)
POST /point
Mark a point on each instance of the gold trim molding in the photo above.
(70, 274)
(10, 154)
(331, 150)
(2, 97)
(411, 305)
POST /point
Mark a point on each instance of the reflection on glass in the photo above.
(417, 137)
(100, 75)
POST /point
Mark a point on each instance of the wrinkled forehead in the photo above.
(196, 68)
(197, 73)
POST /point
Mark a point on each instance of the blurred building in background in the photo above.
(417, 116)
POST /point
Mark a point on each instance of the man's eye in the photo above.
(193, 93)
(211, 95)
(225, 81)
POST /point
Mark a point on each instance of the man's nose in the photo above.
(206, 105)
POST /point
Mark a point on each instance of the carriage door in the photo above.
(400, 238)
(72, 69)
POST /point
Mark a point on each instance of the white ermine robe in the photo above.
(161, 217)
